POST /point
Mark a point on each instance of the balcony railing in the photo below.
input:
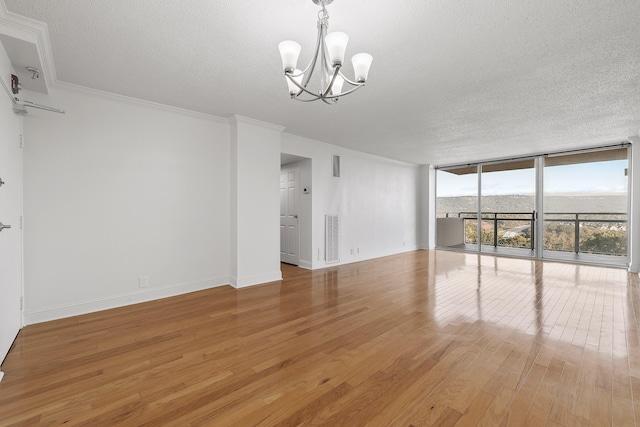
(506, 230)
(497, 218)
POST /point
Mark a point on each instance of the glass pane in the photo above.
(508, 204)
(585, 205)
(457, 208)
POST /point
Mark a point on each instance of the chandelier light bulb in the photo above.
(297, 76)
(289, 51)
(336, 89)
(361, 64)
(336, 47)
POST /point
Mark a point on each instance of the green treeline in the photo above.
(557, 237)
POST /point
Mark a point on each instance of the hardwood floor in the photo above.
(417, 339)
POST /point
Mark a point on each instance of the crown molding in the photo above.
(140, 102)
(339, 150)
(235, 119)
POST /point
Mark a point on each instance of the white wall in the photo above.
(634, 228)
(426, 219)
(375, 198)
(114, 190)
(306, 213)
(255, 202)
(117, 189)
(10, 212)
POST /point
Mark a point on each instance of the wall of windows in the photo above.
(585, 203)
(565, 206)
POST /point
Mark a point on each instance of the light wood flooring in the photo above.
(417, 339)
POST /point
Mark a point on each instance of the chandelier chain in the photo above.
(323, 17)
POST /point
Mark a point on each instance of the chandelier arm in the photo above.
(333, 79)
(312, 64)
(351, 82)
(323, 96)
(304, 71)
(301, 73)
(343, 93)
(326, 67)
(334, 98)
(302, 88)
(324, 64)
(305, 100)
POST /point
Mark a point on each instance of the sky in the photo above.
(596, 177)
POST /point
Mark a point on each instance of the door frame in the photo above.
(306, 214)
(287, 169)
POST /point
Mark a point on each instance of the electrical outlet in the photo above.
(358, 250)
(143, 281)
(351, 251)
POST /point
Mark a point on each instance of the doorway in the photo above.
(295, 210)
(289, 214)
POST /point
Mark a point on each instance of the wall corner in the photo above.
(634, 205)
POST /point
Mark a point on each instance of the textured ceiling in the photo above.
(451, 81)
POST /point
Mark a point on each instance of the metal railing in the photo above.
(576, 218)
(496, 217)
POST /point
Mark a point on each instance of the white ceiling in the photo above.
(451, 80)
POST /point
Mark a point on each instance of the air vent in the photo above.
(336, 166)
(331, 239)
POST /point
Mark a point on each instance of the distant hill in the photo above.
(569, 202)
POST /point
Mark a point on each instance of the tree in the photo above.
(610, 242)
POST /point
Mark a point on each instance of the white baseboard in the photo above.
(303, 263)
(243, 282)
(1, 375)
(84, 307)
(350, 259)
(396, 251)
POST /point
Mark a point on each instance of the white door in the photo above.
(10, 212)
(289, 211)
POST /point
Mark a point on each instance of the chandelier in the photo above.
(328, 57)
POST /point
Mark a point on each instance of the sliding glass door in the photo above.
(585, 207)
(457, 208)
(508, 207)
(570, 207)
